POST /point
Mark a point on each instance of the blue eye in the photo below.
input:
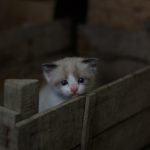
(64, 82)
(81, 80)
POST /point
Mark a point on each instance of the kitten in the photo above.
(66, 78)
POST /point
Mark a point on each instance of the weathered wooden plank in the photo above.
(132, 134)
(88, 114)
(8, 132)
(8, 116)
(121, 99)
(21, 96)
(8, 137)
(116, 102)
(21, 101)
(58, 128)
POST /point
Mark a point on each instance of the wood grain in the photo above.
(115, 116)
(59, 128)
(8, 132)
(132, 134)
(116, 102)
(22, 96)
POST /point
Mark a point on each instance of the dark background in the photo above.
(35, 32)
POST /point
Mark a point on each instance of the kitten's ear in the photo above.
(92, 62)
(47, 69)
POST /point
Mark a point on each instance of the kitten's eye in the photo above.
(81, 80)
(64, 82)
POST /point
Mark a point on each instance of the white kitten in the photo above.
(66, 78)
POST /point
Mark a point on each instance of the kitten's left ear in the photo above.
(92, 62)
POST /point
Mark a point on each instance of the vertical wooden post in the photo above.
(8, 132)
(88, 115)
(21, 96)
(20, 102)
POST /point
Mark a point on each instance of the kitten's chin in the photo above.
(73, 95)
(78, 94)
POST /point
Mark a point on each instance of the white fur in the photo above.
(54, 93)
(48, 97)
(66, 90)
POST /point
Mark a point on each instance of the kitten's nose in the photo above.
(73, 89)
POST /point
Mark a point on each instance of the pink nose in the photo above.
(73, 89)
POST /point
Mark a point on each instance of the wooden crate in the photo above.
(113, 117)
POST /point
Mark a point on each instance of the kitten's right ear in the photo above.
(47, 68)
(92, 62)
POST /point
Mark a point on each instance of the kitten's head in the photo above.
(71, 76)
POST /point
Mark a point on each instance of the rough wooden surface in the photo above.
(132, 134)
(8, 132)
(88, 114)
(115, 116)
(8, 116)
(59, 128)
(8, 137)
(22, 96)
(117, 102)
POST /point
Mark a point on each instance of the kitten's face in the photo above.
(72, 86)
(70, 77)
